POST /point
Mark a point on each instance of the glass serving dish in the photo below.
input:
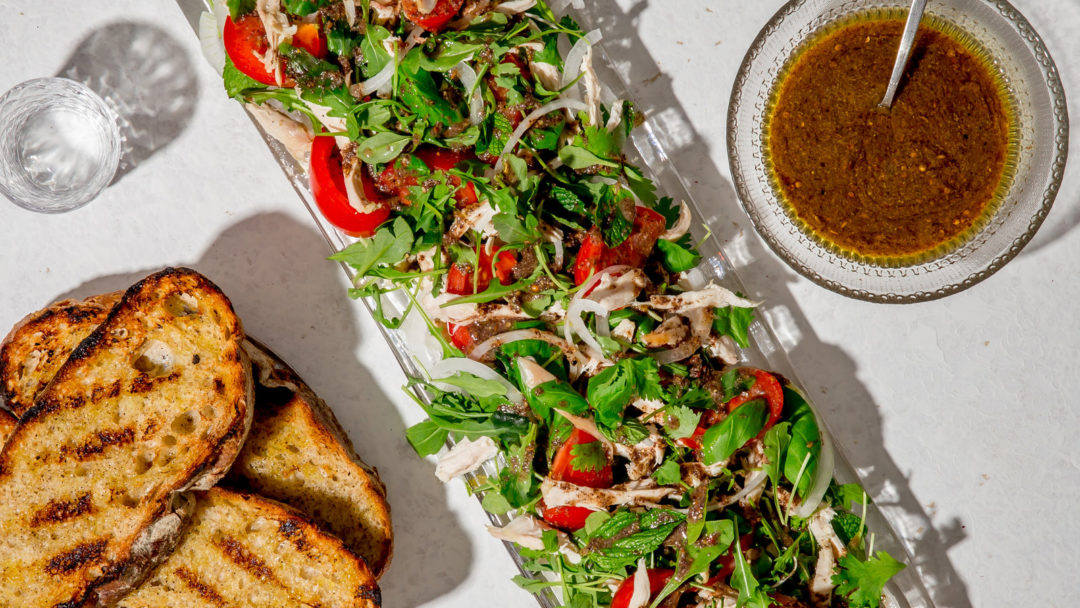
(644, 148)
(1031, 80)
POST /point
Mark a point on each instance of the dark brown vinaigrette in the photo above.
(895, 186)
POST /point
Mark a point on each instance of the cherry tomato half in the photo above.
(765, 386)
(245, 41)
(397, 177)
(571, 517)
(309, 37)
(594, 255)
(433, 21)
(461, 337)
(328, 188)
(658, 577)
(460, 278)
(566, 517)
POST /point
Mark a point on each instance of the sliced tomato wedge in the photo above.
(328, 189)
(397, 177)
(658, 577)
(566, 517)
(571, 517)
(245, 40)
(461, 337)
(594, 255)
(460, 278)
(765, 386)
(432, 21)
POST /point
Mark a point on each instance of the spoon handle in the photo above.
(907, 41)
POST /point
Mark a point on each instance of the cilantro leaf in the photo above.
(862, 582)
(686, 421)
(556, 394)
(641, 186)
(668, 473)
(724, 439)
(734, 321)
(846, 496)
(610, 391)
(676, 257)
(387, 247)
(667, 208)
(588, 457)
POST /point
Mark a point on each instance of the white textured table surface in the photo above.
(961, 411)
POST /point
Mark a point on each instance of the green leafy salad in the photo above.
(589, 376)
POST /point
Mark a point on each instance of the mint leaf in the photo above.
(733, 432)
(735, 322)
(862, 582)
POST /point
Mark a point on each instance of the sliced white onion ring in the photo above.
(449, 367)
(574, 322)
(588, 285)
(822, 476)
(380, 79)
(574, 59)
(467, 75)
(515, 6)
(519, 132)
(681, 351)
(210, 41)
(350, 11)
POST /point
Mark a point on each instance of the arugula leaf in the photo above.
(578, 158)
(239, 8)
(513, 230)
(382, 147)
(548, 356)
(387, 247)
(862, 582)
(309, 71)
(372, 50)
(776, 442)
(686, 421)
(750, 591)
(734, 321)
(722, 440)
(588, 456)
(720, 534)
(676, 257)
(474, 385)
(805, 441)
(668, 473)
(418, 91)
(340, 40)
(426, 438)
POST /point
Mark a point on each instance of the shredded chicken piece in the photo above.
(640, 597)
(624, 330)
(681, 227)
(278, 30)
(712, 296)
(528, 532)
(614, 292)
(354, 186)
(384, 11)
(830, 548)
(723, 348)
(643, 492)
(532, 373)
(645, 456)
(476, 217)
(592, 87)
(291, 133)
(669, 333)
(587, 425)
(465, 457)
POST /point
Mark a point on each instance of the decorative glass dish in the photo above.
(1031, 81)
(417, 350)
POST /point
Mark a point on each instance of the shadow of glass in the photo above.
(852, 416)
(145, 76)
(293, 300)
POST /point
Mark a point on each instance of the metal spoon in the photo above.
(904, 52)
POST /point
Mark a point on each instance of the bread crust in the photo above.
(319, 420)
(97, 417)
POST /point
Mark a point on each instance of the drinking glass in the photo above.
(59, 145)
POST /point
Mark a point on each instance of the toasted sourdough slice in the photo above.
(153, 402)
(298, 453)
(39, 344)
(7, 426)
(248, 551)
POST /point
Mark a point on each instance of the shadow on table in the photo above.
(145, 76)
(849, 408)
(275, 272)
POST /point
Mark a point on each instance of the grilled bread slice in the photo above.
(298, 453)
(39, 344)
(7, 426)
(154, 401)
(244, 550)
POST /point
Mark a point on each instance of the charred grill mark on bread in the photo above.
(203, 589)
(76, 558)
(56, 511)
(241, 556)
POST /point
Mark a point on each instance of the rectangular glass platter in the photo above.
(645, 148)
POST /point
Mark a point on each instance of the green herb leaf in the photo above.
(588, 457)
(610, 391)
(239, 8)
(387, 247)
(846, 496)
(668, 473)
(776, 442)
(578, 158)
(686, 421)
(449, 53)
(382, 147)
(556, 394)
(733, 432)
(474, 385)
(621, 549)
(426, 438)
(594, 521)
(750, 591)
(676, 257)
(862, 582)
(237, 82)
(666, 207)
(735, 322)
(495, 503)
(805, 441)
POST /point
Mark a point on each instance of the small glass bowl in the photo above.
(1031, 79)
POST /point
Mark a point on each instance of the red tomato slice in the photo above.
(309, 37)
(328, 189)
(694, 441)
(562, 468)
(566, 517)
(443, 12)
(460, 336)
(765, 386)
(460, 281)
(397, 178)
(243, 40)
(658, 577)
(594, 255)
